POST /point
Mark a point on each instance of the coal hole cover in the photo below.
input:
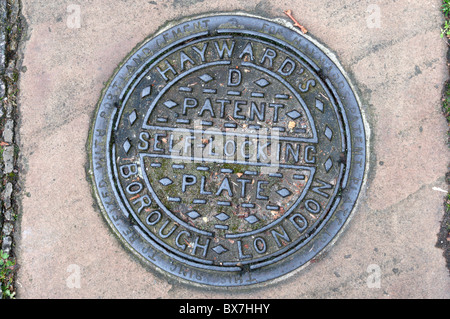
(227, 150)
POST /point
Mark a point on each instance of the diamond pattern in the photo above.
(220, 249)
(132, 117)
(251, 219)
(206, 78)
(126, 146)
(193, 214)
(328, 133)
(284, 192)
(262, 82)
(222, 217)
(294, 114)
(146, 91)
(166, 181)
(328, 164)
(319, 105)
(170, 104)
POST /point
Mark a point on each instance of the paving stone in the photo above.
(6, 195)
(7, 229)
(9, 215)
(8, 131)
(3, 18)
(6, 244)
(8, 158)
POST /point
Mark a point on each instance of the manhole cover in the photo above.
(227, 150)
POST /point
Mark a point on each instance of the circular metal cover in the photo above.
(227, 150)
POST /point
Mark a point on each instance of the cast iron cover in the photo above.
(227, 150)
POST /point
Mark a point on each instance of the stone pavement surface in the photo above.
(396, 59)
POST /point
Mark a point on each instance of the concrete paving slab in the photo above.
(394, 56)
